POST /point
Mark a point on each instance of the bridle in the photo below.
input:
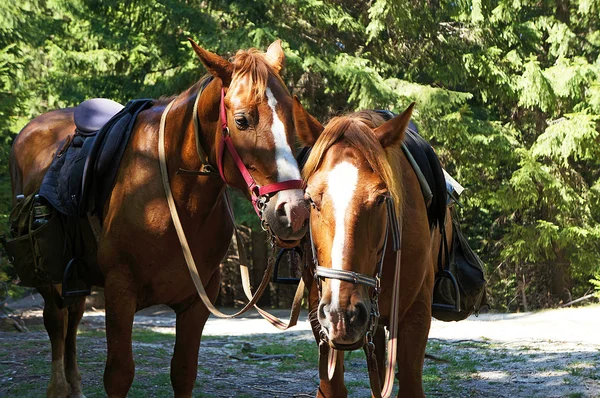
(357, 278)
(327, 355)
(260, 195)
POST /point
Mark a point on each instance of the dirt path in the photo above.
(547, 354)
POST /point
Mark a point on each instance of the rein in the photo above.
(327, 354)
(260, 196)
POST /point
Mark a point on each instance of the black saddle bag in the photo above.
(459, 289)
(36, 247)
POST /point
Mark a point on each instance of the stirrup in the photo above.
(285, 280)
(72, 285)
(439, 276)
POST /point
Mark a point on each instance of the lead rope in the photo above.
(392, 343)
(296, 304)
(189, 259)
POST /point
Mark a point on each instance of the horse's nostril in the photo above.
(360, 315)
(322, 308)
(281, 207)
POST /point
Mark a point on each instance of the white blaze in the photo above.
(341, 184)
(287, 167)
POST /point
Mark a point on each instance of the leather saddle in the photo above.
(94, 113)
(83, 171)
(81, 176)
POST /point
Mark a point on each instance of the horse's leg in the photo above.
(412, 341)
(55, 320)
(71, 368)
(191, 318)
(121, 299)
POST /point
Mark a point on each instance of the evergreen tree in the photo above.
(508, 92)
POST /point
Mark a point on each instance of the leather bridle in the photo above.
(356, 277)
(259, 194)
(327, 348)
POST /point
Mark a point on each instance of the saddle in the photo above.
(78, 182)
(82, 173)
(428, 169)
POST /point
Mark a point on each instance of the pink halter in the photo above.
(256, 191)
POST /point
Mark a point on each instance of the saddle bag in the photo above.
(36, 247)
(459, 289)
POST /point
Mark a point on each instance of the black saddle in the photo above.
(426, 162)
(83, 171)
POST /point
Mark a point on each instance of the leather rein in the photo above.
(259, 195)
(327, 349)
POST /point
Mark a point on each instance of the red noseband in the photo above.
(256, 191)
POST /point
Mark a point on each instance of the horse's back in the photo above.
(34, 148)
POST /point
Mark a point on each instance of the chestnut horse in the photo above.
(138, 248)
(355, 168)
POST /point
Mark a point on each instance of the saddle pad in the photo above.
(431, 168)
(88, 166)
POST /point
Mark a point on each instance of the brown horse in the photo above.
(356, 166)
(138, 249)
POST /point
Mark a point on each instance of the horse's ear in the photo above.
(392, 132)
(275, 55)
(216, 65)
(307, 127)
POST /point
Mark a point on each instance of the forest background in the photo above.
(508, 93)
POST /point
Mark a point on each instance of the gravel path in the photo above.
(554, 353)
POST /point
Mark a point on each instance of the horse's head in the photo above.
(349, 179)
(261, 125)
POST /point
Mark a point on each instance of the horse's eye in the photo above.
(241, 122)
(310, 200)
(382, 199)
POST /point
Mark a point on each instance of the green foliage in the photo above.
(508, 92)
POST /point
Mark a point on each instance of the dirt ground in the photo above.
(553, 353)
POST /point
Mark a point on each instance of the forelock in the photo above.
(252, 66)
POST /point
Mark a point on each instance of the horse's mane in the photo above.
(357, 130)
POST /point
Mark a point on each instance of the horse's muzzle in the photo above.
(344, 326)
(287, 214)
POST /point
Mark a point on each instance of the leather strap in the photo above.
(392, 344)
(346, 276)
(327, 355)
(245, 275)
(296, 303)
(189, 259)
